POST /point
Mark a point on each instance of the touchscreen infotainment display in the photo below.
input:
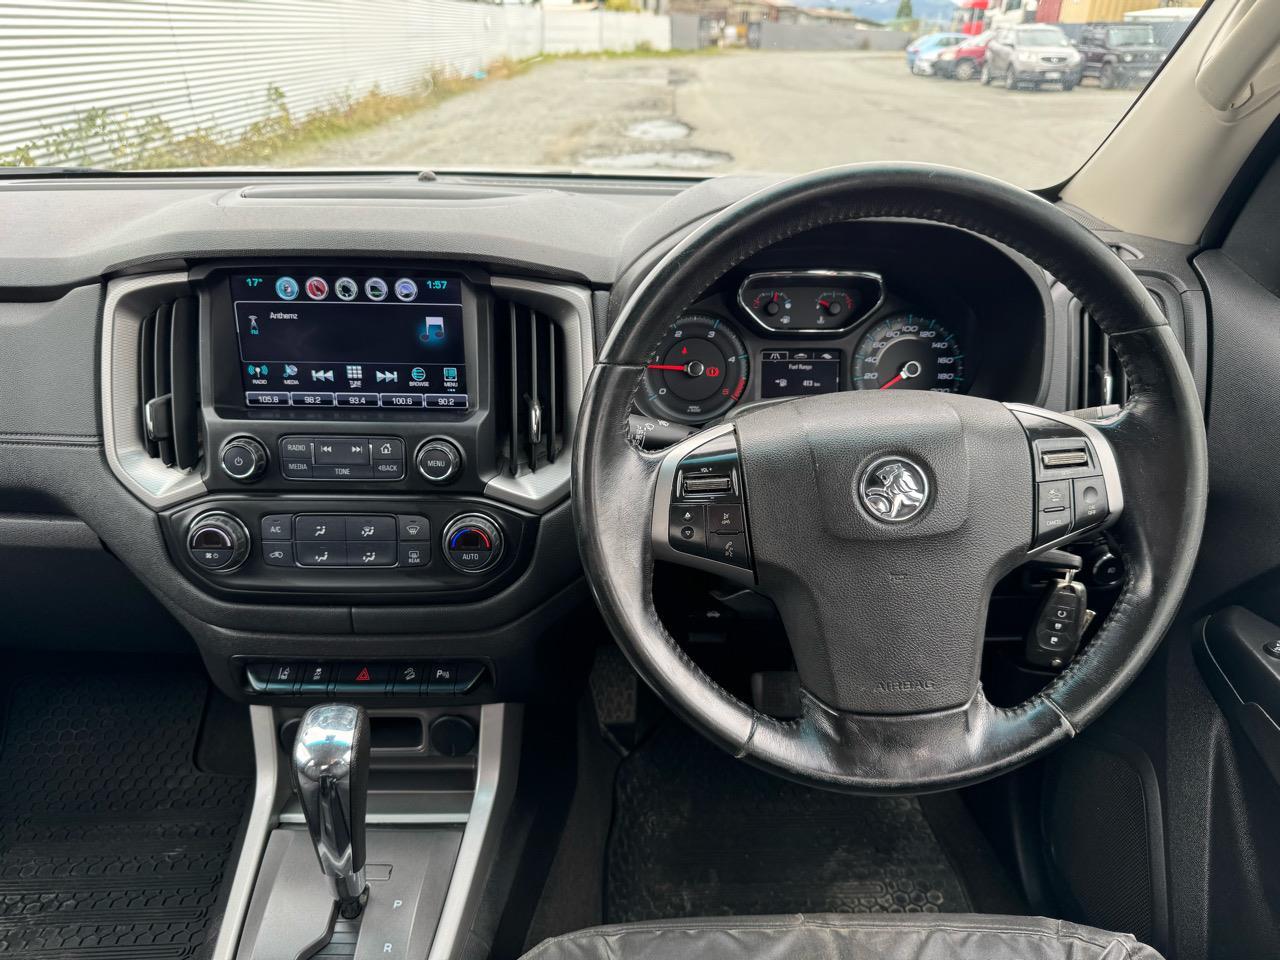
(350, 338)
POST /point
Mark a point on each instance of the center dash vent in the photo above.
(530, 374)
(169, 383)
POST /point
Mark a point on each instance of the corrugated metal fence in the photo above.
(210, 64)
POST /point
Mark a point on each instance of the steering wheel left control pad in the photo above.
(699, 509)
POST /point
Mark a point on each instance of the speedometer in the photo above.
(907, 351)
(698, 371)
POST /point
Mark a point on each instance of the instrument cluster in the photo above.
(791, 333)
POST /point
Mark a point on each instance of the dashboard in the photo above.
(330, 421)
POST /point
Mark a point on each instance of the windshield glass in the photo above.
(1041, 38)
(1130, 36)
(654, 87)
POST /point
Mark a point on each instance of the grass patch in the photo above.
(116, 139)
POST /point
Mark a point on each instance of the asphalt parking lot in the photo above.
(741, 111)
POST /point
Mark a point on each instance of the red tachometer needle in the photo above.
(886, 386)
(677, 367)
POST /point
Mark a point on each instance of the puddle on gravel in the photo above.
(661, 128)
(691, 159)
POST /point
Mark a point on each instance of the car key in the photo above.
(1061, 622)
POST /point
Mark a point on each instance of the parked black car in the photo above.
(1120, 54)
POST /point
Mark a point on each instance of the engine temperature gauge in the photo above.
(831, 306)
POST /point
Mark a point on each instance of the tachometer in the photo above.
(698, 372)
(907, 351)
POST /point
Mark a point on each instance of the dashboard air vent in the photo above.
(169, 383)
(1102, 379)
(529, 364)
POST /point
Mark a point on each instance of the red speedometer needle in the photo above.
(886, 386)
(677, 367)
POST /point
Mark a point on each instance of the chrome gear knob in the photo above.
(330, 772)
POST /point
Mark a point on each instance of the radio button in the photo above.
(296, 448)
(319, 528)
(353, 450)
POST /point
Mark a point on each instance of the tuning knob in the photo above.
(218, 541)
(243, 459)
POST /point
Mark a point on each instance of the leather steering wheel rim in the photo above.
(1158, 440)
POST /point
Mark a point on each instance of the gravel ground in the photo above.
(740, 111)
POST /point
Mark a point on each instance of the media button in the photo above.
(356, 399)
(296, 469)
(341, 450)
(402, 400)
(312, 399)
(266, 398)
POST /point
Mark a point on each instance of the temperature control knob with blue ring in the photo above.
(472, 542)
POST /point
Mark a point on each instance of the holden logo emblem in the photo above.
(894, 489)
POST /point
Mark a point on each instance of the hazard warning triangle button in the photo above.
(361, 678)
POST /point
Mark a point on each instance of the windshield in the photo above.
(1130, 36)
(652, 87)
(1041, 38)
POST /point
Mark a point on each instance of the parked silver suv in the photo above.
(1032, 55)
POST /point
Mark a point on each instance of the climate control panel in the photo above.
(356, 550)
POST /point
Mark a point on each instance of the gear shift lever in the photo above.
(331, 778)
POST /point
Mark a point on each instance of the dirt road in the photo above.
(742, 111)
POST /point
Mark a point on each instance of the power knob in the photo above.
(243, 459)
(218, 541)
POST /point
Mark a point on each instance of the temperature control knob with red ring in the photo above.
(472, 542)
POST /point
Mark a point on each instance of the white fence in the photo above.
(208, 64)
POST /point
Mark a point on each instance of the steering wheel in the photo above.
(879, 523)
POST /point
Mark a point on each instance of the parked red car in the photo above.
(964, 60)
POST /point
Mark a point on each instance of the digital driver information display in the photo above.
(799, 373)
(353, 338)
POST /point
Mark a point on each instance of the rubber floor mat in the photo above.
(113, 845)
(698, 833)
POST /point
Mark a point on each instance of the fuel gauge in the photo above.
(774, 304)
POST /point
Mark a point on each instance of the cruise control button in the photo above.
(341, 450)
(413, 554)
(278, 526)
(1090, 501)
(310, 528)
(728, 548)
(1051, 494)
(277, 554)
(374, 553)
(1051, 524)
(726, 519)
(321, 554)
(413, 527)
(361, 529)
(360, 678)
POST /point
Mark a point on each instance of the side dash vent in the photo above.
(169, 384)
